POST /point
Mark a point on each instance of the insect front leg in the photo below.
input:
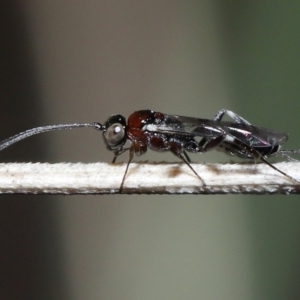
(131, 154)
(117, 153)
(137, 148)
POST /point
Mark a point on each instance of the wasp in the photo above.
(180, 134)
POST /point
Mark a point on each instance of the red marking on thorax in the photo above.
(141, 139)
(139, 118)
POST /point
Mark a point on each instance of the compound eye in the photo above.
(115, 134)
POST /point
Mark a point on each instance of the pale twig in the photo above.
(147, 178)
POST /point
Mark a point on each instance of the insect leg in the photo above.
(211, 144)
(238, 119)
(178, 153)
(276, 169)
(117, 153)
(256, 155)
(131, 154)
(186, 156)
(219, 116)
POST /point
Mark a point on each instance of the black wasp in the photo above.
(162, 132)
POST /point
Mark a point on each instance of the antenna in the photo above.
(25, 134)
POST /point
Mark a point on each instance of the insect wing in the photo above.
(186, 126)
(255, 136)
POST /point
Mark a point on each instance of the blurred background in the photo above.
(81, 61)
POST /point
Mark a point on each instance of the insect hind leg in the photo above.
(238, 119)
(219, 116)
(257, 155)
(205, 145)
